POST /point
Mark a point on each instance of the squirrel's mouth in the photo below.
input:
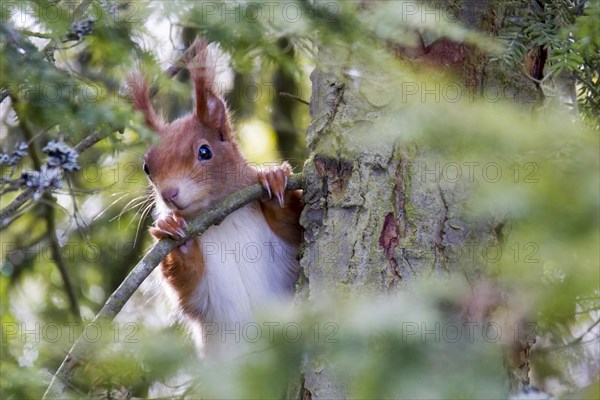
(182, 204)
(188, 209)
(174, 205)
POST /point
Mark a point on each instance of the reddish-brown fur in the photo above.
(175, 159)
(141, 101)
(284, 220)
(183, 272)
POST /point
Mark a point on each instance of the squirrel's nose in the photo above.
(170, 194)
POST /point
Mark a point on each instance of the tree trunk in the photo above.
(377, 216)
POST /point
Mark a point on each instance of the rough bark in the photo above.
(376, 218)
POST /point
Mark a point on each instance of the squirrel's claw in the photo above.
(280, 198)
(262, 178)
(171, 225)
(159, 233)
(179, 220)
(275, 181)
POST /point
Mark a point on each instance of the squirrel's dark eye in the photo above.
(204, 153)
(146, 169)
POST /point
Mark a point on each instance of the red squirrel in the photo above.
(219, 278)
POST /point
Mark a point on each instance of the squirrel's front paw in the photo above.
(170, 225)
(275, 179)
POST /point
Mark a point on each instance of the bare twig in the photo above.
(294, 97)
(41, 35)
(60, 262)
(579, 338)
(6, 215)
(23, 197)
(575, 342)
(88, 142)
(181, 62)
(81, 348)
(80, 10)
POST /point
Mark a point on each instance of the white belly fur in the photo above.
(246, 265)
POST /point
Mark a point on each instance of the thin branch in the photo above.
(575, 342)
(115, 303)
(60, 261)
(294, 97)
(49, 214)
(88, 142)
(41, 35)
(80, 10)
(32, 148)
(15, 38)
(579, 338)
(7, 212)
(6, 215)
(22, 254)
(78, 13)
(181, 62)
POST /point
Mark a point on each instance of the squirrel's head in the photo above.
(196, 160)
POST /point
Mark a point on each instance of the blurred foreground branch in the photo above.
(145, 266)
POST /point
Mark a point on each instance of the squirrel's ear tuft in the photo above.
(209, 108)
(139, 91)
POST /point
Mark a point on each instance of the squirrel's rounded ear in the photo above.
(139, 91)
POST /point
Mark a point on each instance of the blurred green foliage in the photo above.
(570, 31)
(63, 66)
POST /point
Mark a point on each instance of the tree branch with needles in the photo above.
(49, 214)
(6, 214)
(115, 303)
(12, 211)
